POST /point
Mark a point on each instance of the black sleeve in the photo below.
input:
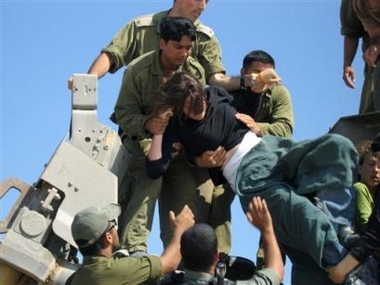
(156, 168)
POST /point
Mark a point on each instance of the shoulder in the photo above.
(217, 94)
(195, 68)
(360, 188)
(149, 20)
(142, 61)
(203, 29)
(279, 92)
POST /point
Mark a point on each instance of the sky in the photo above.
(44, 42)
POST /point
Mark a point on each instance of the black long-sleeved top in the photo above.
(219, 127)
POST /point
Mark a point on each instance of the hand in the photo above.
(249, 122)
(156, 125)
(70, 83)
(349, 76)
(371, 54)
(259, 215)
(183, 221)
(211, 159)
(269, 76)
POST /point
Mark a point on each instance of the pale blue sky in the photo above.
(44, 42)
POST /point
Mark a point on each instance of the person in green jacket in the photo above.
(94, 230)
(368, 185)
(132, 112)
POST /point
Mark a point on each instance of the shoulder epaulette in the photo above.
(206, 30)
(146, 20)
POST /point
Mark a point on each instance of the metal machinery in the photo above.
(83, 171)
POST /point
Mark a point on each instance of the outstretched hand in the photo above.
(183, 221)
(259, 215)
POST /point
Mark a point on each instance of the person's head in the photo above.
(95, 228)
(199, 248)
(191, 9)
(255, 62)
(177, 35)
(184, 95)
(369, 165)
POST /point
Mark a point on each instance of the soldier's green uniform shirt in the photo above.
(272, 110)
(141, 35)
(141, 80)
(100, 270)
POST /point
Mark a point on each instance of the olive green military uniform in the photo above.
(352, 27)
(136, 38)
(135, 103)
(272, 110)
(100, 270)
(141, 35)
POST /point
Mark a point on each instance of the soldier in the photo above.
(201, 257)
(95, 232)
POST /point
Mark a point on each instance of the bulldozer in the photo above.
(36, 245)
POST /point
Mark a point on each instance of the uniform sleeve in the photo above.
(121, 48)
(208, 52)
(266, 276)
(281, 113)
(350, 23)
(127, 112)
(363, 207)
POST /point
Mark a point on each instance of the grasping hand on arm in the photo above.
(249, 122)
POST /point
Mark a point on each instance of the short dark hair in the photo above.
(174, 28)
(260, 56)
(199, 245)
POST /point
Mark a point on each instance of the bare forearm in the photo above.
(227, 82)
(350, 48)
(100, 66)
(171, 256)
(273, 257)
(155, 151)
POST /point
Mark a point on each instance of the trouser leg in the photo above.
(182, 185)
(138, 204)
(220, 216)
(179, 188)
(366, 99)
(376, 87)
(299, 224)
(305, 270)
